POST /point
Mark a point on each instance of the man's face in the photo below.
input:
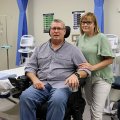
(57, 31)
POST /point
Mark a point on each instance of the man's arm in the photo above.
(74, 79)
(81, 74)
(79, 59)
(36, 82)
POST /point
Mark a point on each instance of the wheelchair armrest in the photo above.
(20, 84)
(82, 81)
(13, 81)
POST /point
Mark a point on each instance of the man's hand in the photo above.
(38, 84)
(72, 81)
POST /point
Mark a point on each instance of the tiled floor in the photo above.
(8, 110)
(4, 116)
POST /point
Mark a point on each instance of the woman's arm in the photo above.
(105, 62)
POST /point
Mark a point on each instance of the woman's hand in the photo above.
(105, 62)
(86, 66)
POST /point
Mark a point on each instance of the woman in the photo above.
(97, 51)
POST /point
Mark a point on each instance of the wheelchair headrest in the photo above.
(68, 30)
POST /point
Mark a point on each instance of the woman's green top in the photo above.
(94, 49)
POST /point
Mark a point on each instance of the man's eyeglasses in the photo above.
(86, 22)
(57, 28)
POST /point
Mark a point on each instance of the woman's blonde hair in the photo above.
(89, 16)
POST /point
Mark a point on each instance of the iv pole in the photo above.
(7, 46)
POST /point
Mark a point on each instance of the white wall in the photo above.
(112, 16)
(62, 9)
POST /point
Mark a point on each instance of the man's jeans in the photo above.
(31, 98)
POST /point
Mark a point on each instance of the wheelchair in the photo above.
(75, 105)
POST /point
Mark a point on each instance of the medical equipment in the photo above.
(27, 45)
(113, 39)
(114, 42)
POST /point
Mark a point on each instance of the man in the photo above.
(52, 69)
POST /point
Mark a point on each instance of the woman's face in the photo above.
(88, 26)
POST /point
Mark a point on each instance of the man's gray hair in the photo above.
(59, 21)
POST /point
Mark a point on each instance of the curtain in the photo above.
(99, 13)
(22, 25)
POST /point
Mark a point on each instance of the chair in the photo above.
(27, 44)
(115, 108)
(116, 85)
(75, 105)
(110, 108)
